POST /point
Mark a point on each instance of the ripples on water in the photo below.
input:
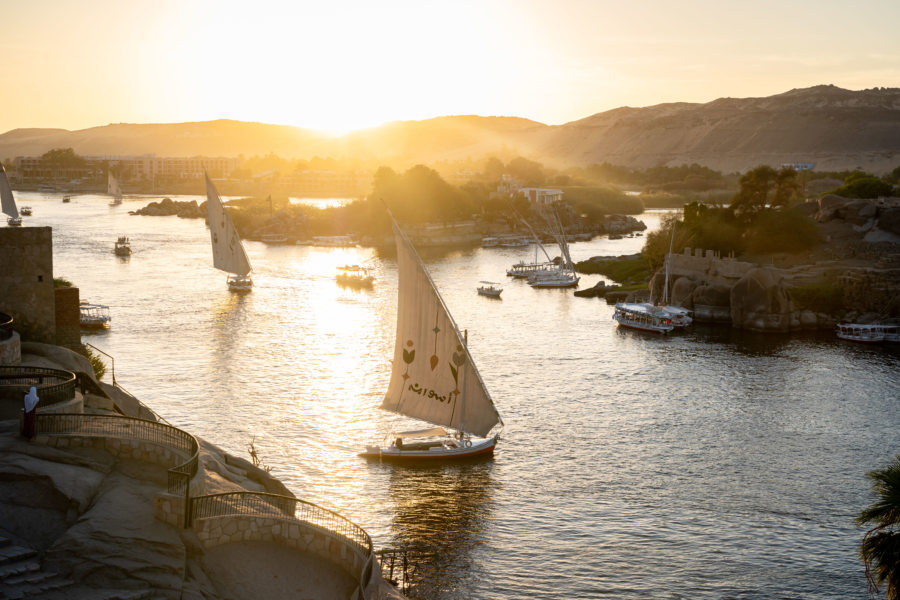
(710, 464)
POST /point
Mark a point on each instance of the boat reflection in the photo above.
(441, 516)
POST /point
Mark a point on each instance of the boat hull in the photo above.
(437, 454)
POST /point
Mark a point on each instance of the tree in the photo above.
(754, 193)
(880, 547)
(786, 186)
(62, 158)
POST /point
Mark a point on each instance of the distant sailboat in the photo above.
(7, 202)
(228, 251)
(444, 389)
(113, 189)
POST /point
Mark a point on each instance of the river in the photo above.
(708, 464)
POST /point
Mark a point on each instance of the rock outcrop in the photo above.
(168, 207)
(760, 302)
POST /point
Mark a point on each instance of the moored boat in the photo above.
(643, 316)
(94, 315)
(869, 333)
(443, 389)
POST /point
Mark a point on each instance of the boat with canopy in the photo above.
(433, 378)
(228, 251)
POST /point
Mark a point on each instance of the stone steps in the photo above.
(10, 572)
(12, 553)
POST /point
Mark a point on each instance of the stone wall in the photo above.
(11, 350)
(68, 317)
(707, 266)
(329, 546)
(26, 281)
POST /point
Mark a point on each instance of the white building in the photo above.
(545, 196)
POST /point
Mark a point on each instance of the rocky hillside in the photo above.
(832, 127)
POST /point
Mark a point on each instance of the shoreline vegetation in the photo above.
(814, 239)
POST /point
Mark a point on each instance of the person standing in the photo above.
(31, 402)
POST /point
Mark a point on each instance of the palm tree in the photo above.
(880, 547)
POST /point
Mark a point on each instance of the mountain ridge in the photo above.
(831, 126)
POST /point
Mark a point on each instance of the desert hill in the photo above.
(832, 127)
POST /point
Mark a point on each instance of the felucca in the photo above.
(113, 189)
(433, 378)
(228, 251)
(7, 202)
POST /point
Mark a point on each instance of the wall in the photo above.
(26, 281)
(11, 351)
(294, 534)
(68, 317)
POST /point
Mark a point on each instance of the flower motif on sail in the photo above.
(459, 359)
(409, 355)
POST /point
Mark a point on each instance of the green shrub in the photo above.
(782, 231)
(96, 362)
(61, 282)
(620, 270)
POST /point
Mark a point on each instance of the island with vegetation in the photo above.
(776, 259)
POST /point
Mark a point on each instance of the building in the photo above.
(30, 169)
(544, 196)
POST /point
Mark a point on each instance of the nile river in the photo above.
(710, 464)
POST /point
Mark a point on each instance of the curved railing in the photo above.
(52, 385)
(131, 428)
(254, 504)
(261, 504)
(6, 326)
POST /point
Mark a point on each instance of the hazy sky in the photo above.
(340, 65)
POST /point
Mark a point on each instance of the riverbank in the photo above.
(84, 517)
(853, 275)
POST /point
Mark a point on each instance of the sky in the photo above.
(343, 65)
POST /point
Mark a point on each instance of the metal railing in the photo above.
(6, 326)
(131, 428)
(261, 504)
(112, 361)
(256, 504)
(52, 385)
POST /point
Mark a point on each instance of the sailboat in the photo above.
(646, 316)
(680, 316)
(113, 189)
(7, 202)
(228, 251)
(433, 378)
(561, 275)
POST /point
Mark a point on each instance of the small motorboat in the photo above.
(123, 246)
(354, 276)
(490, 289)
(67, 198)
(25, 211)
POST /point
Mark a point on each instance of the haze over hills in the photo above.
(832, 127)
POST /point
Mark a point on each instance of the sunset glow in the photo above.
(345, 65)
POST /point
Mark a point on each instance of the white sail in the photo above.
(433, 377)
(112, 186)
(228, 252)
(7, 202)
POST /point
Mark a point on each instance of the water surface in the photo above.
(712, 464)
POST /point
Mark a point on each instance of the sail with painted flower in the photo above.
(433, 378)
